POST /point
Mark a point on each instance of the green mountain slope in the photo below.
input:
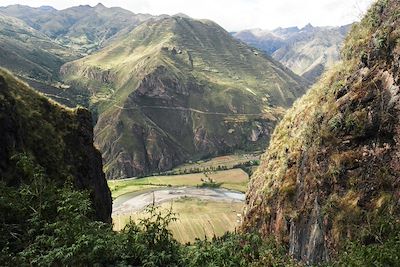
(83, 28)
(37, 59)
(307, 51)
(30, 53)
(57, 139)
(176, 89)
(332, 167)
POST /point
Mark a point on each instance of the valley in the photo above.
(131, 139)
(215, 195)
(235, 179)
(139, 70)
(180, 73)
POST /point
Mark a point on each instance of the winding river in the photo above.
(133, 202)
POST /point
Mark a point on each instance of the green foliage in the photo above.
(45, 225)
(248, 167)
(150, 242)
(210, 184)
(42, 224)
(237, 250)
(378, 245)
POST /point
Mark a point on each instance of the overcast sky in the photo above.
(235, 15)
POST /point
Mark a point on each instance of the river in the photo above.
(133, 202)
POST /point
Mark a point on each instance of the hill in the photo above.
(175, 89)
(82, 28)
(36, 42)
(332, 168)
(307, 51)
(28, 52)
(58, 140)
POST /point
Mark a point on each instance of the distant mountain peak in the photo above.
(309, 26)
(47, 8)
(182, 15)
(99, 5)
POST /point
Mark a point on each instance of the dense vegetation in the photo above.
(57, 138)
(45, 225)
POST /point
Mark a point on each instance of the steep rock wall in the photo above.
(333, 163)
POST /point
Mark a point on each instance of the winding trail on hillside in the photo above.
(132, 202)
(192, 110)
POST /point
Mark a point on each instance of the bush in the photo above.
(378, 245)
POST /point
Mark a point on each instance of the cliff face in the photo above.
(333, 162)
(58, 139)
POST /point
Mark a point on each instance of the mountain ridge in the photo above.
(83, 28)
(307, 51)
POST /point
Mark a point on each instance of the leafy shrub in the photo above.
(235, 249)
(379, 245)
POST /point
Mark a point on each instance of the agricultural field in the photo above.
(196, 218)
(234, 179)
(227, 162)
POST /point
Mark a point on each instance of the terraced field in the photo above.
(228, 161)
(196, 218)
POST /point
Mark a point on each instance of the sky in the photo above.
(235, 15)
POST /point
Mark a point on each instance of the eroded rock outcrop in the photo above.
(333, 163)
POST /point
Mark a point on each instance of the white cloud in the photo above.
(236, 14)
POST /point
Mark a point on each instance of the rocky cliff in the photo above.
(333, 163)
(178, 89)
(58, 139)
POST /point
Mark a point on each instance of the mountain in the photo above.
(332, 167)
(307, 51)
(30, 53)
(36, 42)
(264, 40)
(175, 89)
(37, 59)
(82, 28)
(57, 139)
